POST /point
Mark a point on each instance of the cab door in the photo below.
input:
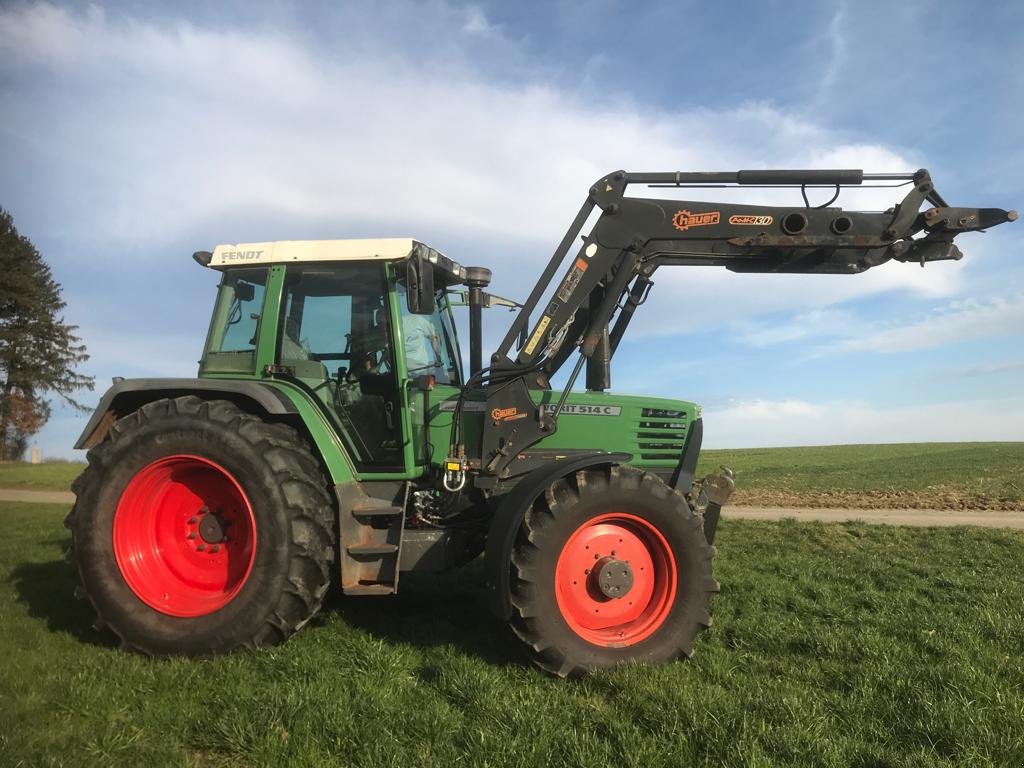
(428, 347)
(336, 335)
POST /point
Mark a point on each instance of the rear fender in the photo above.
(505, 525)
(277, 400)
(128, 395)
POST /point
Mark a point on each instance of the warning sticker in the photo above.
(538, 334)
(572, 279)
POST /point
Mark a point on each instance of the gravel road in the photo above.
(917, 517)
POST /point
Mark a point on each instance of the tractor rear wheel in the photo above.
(610, 565)
(199, 528)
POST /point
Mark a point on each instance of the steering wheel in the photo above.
(369, 353)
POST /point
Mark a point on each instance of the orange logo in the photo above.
(684, 219)
(503, 414)
(757, 221)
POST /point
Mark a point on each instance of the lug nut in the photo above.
(201, 548)
(215, 548)
(193, 520)
(192, 535)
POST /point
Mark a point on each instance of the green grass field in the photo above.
(841, 645)
(49, 476)
(909, 475)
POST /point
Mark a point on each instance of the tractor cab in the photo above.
(352, 323)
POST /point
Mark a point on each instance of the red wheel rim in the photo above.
(184, 536)
(603, 544)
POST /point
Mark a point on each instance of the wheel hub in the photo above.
(212, 526)
(614, 578)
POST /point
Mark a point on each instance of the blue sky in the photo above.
(134, 134)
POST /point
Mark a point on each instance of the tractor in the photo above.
(333, 435)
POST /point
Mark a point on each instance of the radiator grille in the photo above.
(661, 434)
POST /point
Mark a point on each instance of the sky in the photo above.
(134, 134)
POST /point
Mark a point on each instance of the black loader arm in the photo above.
(635, 236)
(610, 274)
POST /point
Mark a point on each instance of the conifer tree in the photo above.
(39, 351)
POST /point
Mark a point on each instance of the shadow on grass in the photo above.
(48, 591)
(430, 611)
(433, 611)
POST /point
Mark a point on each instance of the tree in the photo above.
(38, 350)
(24, 418)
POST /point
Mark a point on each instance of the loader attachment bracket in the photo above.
(709, 496)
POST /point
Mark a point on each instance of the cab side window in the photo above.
(427, 341)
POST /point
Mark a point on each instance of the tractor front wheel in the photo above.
(199, 528)
(610, 565)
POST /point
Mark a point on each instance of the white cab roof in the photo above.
(284, 251)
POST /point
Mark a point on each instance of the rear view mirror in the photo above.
(419, 286)
(244, 291)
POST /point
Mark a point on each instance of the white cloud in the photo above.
(767, 423)
(137, 352)
(476, 22)
(835, 44)
(687, 300)
(178, 127)
(956, 322)
(184, 124)
(816, 324)
(847, 330)
(999, 368)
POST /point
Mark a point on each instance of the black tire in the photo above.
(292, 516)
(565, 506)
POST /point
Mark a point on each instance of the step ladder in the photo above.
(371, 542)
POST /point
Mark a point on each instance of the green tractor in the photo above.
(333, 436)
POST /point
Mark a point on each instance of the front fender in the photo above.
(506, 521)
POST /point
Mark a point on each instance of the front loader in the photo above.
(332, 434)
